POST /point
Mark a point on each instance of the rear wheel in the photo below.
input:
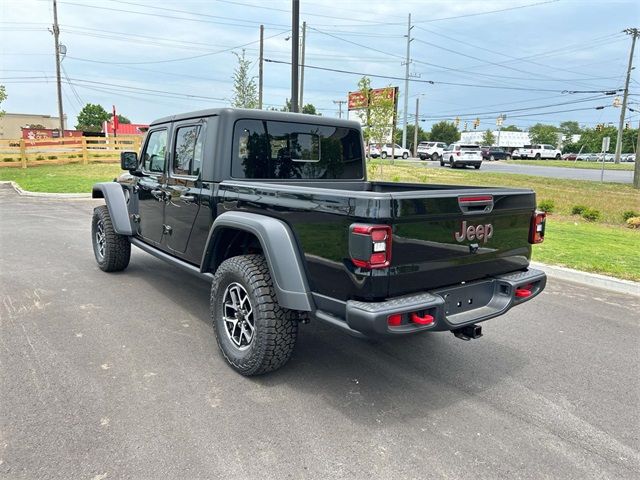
(477, 167)
(492, 158)
(434, 157)
(441, 162)
(508, 157)
(112, 250)
(537, 157)
(254, 333)
(383, 155)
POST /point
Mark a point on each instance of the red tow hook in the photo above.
(523, 292)
(426, 320)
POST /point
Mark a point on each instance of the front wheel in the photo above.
(405, 155)
(434, 157)
(537, 157)
(383, 155)
(508, 157)
(492, 158)
(254, 333)
(112, 250)
(558, 156)
(477, 167)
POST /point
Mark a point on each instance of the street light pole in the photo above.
(406, 84)
(295, 49)
(56, 38)
(634, 34)
(415, 128)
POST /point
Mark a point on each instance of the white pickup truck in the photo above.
(537, 152)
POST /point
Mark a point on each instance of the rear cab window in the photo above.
(266, 149)
(188, 150)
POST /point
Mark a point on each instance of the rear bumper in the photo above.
(451, 307)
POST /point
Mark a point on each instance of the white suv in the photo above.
(398, 151)
(461, 155)
(432, 150)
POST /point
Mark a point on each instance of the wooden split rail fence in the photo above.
(23, 153)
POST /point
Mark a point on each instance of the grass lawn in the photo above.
(591, 247)
(604, 247)
(611, 199)
(70, 178)
(572, 164)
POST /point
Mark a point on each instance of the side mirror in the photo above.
(128, 160)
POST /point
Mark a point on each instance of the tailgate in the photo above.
(443, 238)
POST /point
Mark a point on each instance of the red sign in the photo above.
(358, 100)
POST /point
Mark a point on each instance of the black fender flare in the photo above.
(280, 250)
(113, 195)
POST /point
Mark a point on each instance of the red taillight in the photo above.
(370, 245)
(458, 153)
(536, 231)
(394, 320)
(523, 292)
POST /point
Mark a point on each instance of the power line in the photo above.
(435, 82)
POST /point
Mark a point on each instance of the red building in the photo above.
(125, 128)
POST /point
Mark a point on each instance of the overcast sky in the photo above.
(155, 58)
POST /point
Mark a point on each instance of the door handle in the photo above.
(187, 198)
(158, 194)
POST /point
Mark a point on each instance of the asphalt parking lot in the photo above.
(110, 376)
(617, 176)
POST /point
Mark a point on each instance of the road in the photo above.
(110, 376)
(617, 176)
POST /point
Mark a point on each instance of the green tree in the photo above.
(570, 127)
(121, 119)
(377, 116)
(245, 92)
(444, 131)
(541, 133)
(309, 108)
(91, 118)
(3, 97)
(422, 135)
(510, 128)
(488, 138)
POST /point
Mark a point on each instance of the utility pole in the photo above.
(415, 128)
(339, 103)
(295, 50)
(406, 84)
(304, 36)
(634, 34)
(636, 169)
(261, 67)
(499, 122)
(56, 35)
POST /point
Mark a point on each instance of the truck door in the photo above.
(183, 186)
(151, 195)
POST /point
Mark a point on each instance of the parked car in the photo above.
(495, 153)
(431, 150)
(570, 156)
(274, 210)
(538, 152)
(398, 151)
(373, 150)
(461, 155)
(628, 157)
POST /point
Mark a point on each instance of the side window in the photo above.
(154, 155)
(187, 157)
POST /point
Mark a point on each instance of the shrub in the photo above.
(578, 209)
(40, 157)
(52, 157)
(633, 222)
(626, 215)
(547, 206)
(591, 214)
(395, 178)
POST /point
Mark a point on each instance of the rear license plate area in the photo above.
(464, 298)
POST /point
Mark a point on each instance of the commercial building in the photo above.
(11, 124)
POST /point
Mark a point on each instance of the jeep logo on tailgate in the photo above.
(472, 232)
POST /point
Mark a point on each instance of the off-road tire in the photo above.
(116, 248)
(275, 328)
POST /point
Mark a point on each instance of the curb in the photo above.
(27, 193)
(590, 279)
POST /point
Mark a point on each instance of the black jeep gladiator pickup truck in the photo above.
(275, 209)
